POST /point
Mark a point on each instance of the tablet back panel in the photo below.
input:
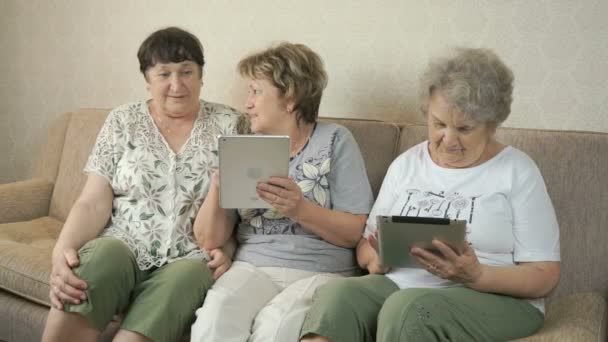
(397, 236)
(246, 160)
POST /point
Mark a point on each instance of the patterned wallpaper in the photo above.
(66, 54)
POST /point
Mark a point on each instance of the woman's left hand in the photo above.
(220, 263)
(283, 194)
(447, 264)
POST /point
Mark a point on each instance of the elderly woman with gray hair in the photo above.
(494, 289)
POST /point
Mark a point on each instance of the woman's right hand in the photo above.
(374, 266)
(65, 286)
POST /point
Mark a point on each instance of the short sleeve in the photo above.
(105, 154)
(535, 226)
(349, 186)
(386, 197)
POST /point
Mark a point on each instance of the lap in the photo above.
(456, 313)
(281, 319)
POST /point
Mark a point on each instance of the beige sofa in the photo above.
(573, 164)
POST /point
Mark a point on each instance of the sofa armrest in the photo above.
(25, 200)
(577, 317)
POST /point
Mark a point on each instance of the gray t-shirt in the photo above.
(331, 173)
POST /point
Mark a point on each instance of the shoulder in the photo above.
(410, 160)
(415, 153)
(338, 134)
(128, 112)
(212, 108)
(517, 160)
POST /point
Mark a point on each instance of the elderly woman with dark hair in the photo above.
(317, 214)
(127, 245)
(492, 291)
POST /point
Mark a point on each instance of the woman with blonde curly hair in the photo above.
(317, 215)
(494, 289)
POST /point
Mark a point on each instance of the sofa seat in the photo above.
(25, 264)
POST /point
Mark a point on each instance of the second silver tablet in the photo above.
(246, 160)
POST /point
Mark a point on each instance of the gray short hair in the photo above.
(474, 81)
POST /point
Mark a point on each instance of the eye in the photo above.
(187, 72)
(438, 124)
(163, 74)
(465, 129)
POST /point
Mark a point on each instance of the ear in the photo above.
(147, 82)
(289, 106)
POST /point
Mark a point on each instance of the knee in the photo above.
(337, 292)
(105, 247)
(104, 257)
(412, 310)
(186, 278)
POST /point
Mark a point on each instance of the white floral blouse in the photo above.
(157, 193)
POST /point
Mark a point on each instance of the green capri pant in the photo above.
(372, 308)
(158, 303)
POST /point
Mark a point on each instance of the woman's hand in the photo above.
(220, 262)
(215, 179)
(283, 194)
(65, 286)
(374, 266)
(447, 264)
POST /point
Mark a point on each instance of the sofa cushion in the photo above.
(378, 153)
(25, 257)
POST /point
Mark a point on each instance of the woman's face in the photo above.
(175, 87)
(266, 109)
(454, 140)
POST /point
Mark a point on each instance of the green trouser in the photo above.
(158, 303)
(372, 308)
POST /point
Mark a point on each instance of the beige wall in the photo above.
(65, 54)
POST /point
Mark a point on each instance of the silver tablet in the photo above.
(398, 234)
(245, 160)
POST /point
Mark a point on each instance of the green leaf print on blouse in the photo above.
(315, 181)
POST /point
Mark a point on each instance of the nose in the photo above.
(450, 137)
(175, 82)
(249, 102)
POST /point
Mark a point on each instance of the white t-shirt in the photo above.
(509, 214)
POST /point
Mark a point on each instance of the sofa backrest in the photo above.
(377, 141)
(79, 137)
(573, 165)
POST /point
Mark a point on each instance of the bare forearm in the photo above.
(212, 227)
(529, 280)
(337, 227)
(85, 221)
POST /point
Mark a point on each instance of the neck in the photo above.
(167, 116)
(171, 123)
(299, 136)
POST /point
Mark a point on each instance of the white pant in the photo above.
(257, 304)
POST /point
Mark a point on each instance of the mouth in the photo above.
(177, 97)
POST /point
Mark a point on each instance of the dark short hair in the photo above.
(170, 45)
(296, 70)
